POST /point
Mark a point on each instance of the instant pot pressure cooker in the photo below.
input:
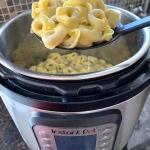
(91, 111)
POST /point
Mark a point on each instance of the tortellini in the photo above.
(35, 14)
(73, 23)
(54, 37)
(98, 4)
(71, 63)
(68, 16)
(47, 7)
(98, 20)
(41, 24)
(88, 35)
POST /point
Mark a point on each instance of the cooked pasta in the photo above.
(71, 63)
(108, 65)
(76, 66)
(73, 23)
(107, 35)
(34, 13)
(88, 34)
(71, 39)
(81, 59)
(63, 61)
(68, 16)
(52, 38)
(42, 24)
(112, 17)
(102, 62)
(41, 64)
(47, 7)
(97, 19)
(72, 57)
(41, 69)
(50, 64)
(60, 68)
(55, 56)
(54, 71)
(98, 4)
(33, 68)
(83, 14)
(68, 70)
(76, 3)
(31, 53)
(92, 59)
(86, 69)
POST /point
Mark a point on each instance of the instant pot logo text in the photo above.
(87, 131)
(76, 132)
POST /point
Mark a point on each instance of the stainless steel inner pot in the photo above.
(16, 33)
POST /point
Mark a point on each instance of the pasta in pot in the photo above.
(72, 57)
(41, 64)
(55, 56)
(76, 66)
(81, 59)
(41, 69)
(72, 63)
(50, 64)
(60, 68)
(68, 70)
(67, 23)
(30, 53)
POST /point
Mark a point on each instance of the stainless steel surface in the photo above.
(144, 8)
(130, 111)
(9, 40)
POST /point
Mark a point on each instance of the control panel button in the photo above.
(103, 145)
(106, 131)
(46, 140)
(44, 134)
(103, 148)
(48, 147)
(105, 138)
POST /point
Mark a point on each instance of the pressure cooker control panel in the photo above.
(83, 138)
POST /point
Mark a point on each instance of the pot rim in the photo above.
(91, 75)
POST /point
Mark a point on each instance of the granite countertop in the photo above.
(10, 138)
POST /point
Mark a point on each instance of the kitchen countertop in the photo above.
(10, 138)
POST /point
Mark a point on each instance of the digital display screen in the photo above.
(76, 142)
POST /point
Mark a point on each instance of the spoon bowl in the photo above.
(118, 31)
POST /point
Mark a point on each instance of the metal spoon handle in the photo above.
(139, 24)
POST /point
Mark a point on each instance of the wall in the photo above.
(10, 8)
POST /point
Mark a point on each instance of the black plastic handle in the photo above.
(67, 89)
(136, 25)
(27, 81)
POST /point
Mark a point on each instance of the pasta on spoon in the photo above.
(73, 23)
